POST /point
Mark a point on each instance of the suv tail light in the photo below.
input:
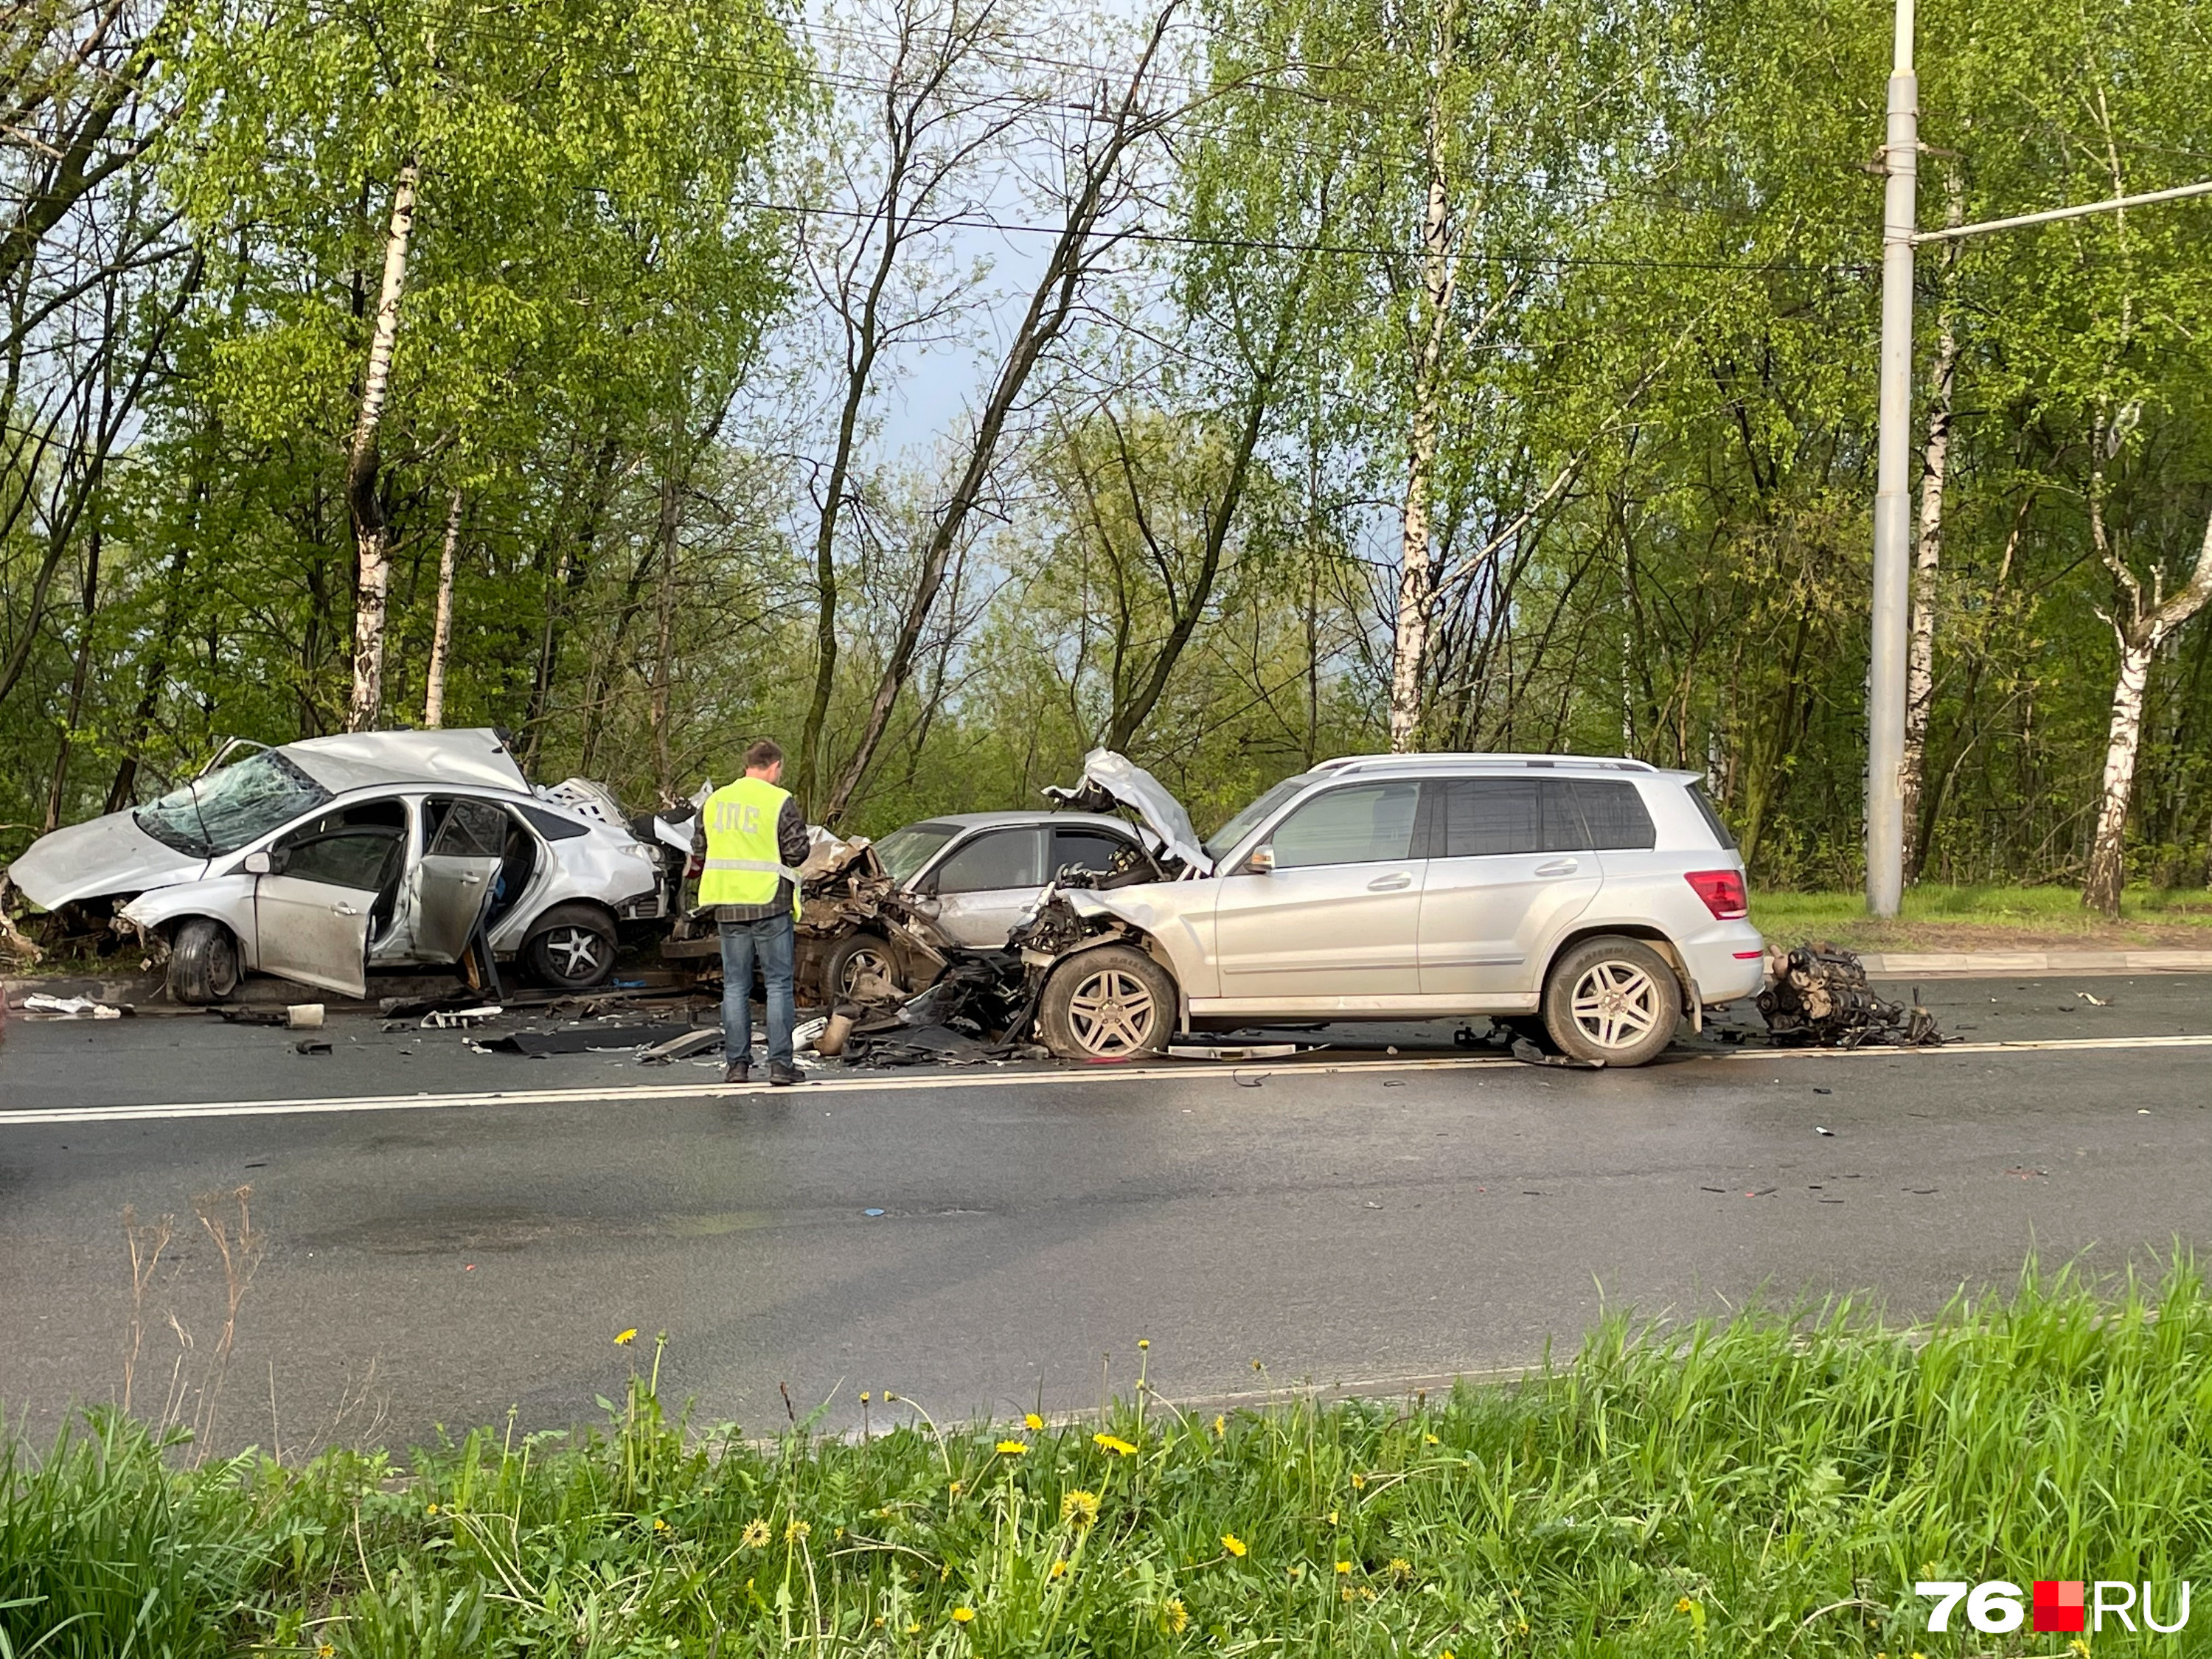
(1723, 892)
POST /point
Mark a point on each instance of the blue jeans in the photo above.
(775, 942)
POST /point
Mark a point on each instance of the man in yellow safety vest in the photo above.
(747, 848)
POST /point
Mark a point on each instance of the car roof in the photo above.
(1468, 764)
(358, 760)
(1004, 820)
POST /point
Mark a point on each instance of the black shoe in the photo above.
(738, 1071)
(780, 1071)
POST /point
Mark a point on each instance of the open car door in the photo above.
(451, 886)
(312, 909)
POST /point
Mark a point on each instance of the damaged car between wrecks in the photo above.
(319, 859)
(1600, 899)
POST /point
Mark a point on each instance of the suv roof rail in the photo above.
(1360, 763)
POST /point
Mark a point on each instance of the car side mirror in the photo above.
(1261, 863)
(259, 864)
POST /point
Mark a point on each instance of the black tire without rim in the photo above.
(203, 962)
(1612, 1000)
(1111, 1003)
(572, 948)
(846, 957)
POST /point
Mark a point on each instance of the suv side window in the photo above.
(1361, 823)
(1614, 813)
(1002, 858)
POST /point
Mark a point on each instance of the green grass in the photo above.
(1970, 914)
(1767, 1485)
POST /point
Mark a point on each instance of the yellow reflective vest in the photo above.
(743, 863)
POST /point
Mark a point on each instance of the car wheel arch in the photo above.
(1137, 939)
(1644, 932)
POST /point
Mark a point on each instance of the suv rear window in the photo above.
(1714, 821)
(1484, 817)
(1615, 815)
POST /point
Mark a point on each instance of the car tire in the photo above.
(847, 957)
(202, 962)
(1612, 1001)
(1110, 1003)
(571, 948)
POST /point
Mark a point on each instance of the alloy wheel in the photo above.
(1112, 1013)
(574, 950)
(862, 961)
(1616, 1004)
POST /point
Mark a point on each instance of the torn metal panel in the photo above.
(1110, 779)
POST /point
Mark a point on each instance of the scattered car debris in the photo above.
(1819, 998)
(1529, 1055)
(2095, 1001)
(313, 1045)
(697, 1041)
(588, 1039)
(445, 1019)
(304, 1016)
(1231, 1051)
(39, 1002)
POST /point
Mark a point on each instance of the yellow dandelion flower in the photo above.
(433, 1510)
(1059, 1570)
(864, 1400)
(1178, 1615)
(795, 1532)
(1012, 1448)
(1446, 1653)
(1343, 1566)
(1233, 1544)
(1360, 1483)
(1080, 1507)
(963, 1615)
(913, 1630)
(659, 1525)
(755, 1533)
(1332, 1517)
(1683, 1605)
(1220, 1426)
(1431, 1440)
(1144, 1343)
(1116, 1444)
(325, 1651)
(1399, 1566)
(624, 1338)
(1032, 1422)
(1344, 1595)
(953, 1491)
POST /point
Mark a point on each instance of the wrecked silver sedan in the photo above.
(319, 859)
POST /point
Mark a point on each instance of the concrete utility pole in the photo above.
(1893, 508)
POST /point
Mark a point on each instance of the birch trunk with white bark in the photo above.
(442, 633)
(2140, 637)
(372, 534)
(1416, 575)
(1928, 551)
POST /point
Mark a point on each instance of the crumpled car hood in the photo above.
(1129, 784)
(110, 854)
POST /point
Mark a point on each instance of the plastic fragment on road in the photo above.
(441, 1019)
(39, 1002)
(1247, 1051)
(313, 1046)
(304, 1016)
(1818, 1130)
(1529, 1055)
(871, 1213)
(2095, 1001)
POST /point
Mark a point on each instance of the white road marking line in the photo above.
(1187, 1073)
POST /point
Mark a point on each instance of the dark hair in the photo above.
(763, 753)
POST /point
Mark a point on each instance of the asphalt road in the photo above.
(435, 1255)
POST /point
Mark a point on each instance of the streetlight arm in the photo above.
(2180, 193)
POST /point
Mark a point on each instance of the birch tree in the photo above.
(372, 533)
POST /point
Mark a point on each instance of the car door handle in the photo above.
(470, 881)
(1559, 867)
(343, 911)
(1391, 884)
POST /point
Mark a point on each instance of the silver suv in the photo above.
(1604, 898)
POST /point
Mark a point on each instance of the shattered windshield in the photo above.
(222, 812)
(1223, 841)
(903, 852)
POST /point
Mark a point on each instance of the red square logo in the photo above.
(2058, 1604)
